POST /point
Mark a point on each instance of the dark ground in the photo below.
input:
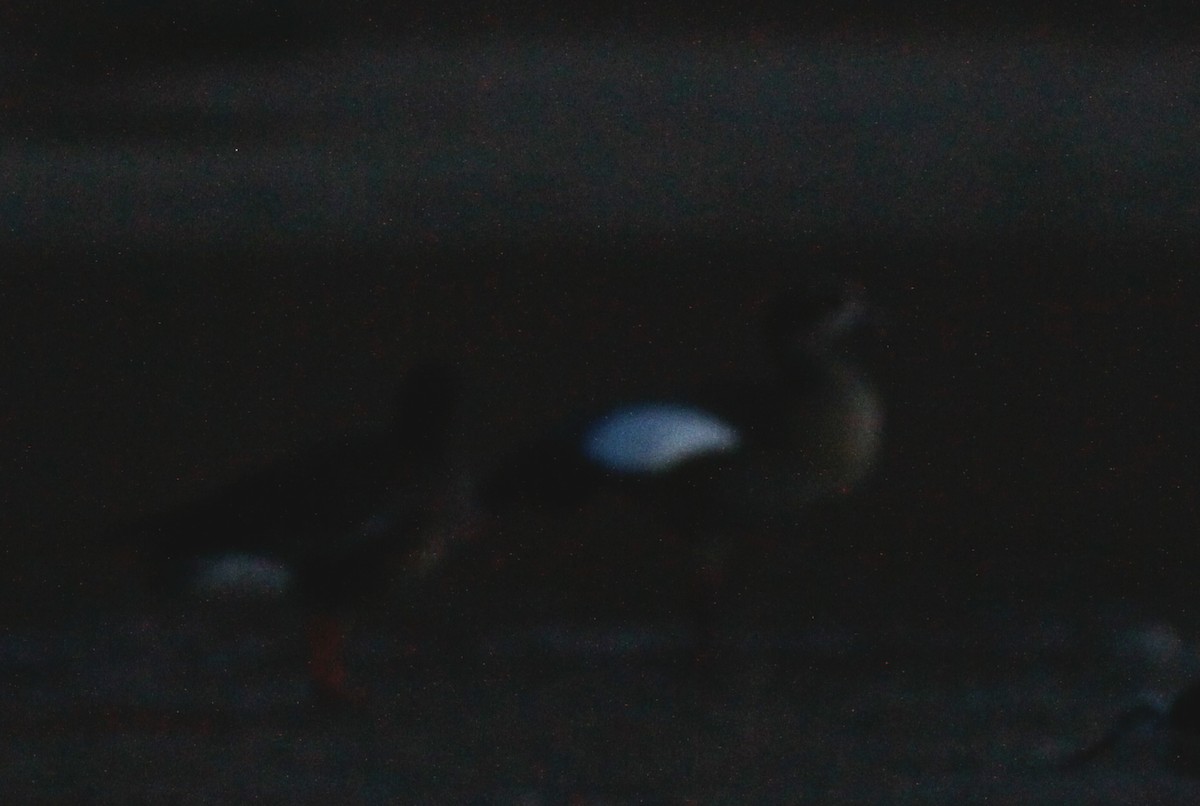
(1019, 569)
(157, 706)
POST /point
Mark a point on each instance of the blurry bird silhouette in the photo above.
(335, 528)
(729, 460)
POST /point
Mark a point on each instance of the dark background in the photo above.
(217, 253)
(221, 242)
(1037, 394)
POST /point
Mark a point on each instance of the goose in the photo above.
(332, 528)
(732, 459)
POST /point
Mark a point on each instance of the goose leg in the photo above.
(326, 657)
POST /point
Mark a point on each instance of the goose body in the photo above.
(332, 528)
(736, 456)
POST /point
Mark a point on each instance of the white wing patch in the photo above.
(654, 437)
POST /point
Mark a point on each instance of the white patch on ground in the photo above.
(241, 575)
(1154, 643)
(569, 640)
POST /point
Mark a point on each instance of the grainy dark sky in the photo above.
(909, 134)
